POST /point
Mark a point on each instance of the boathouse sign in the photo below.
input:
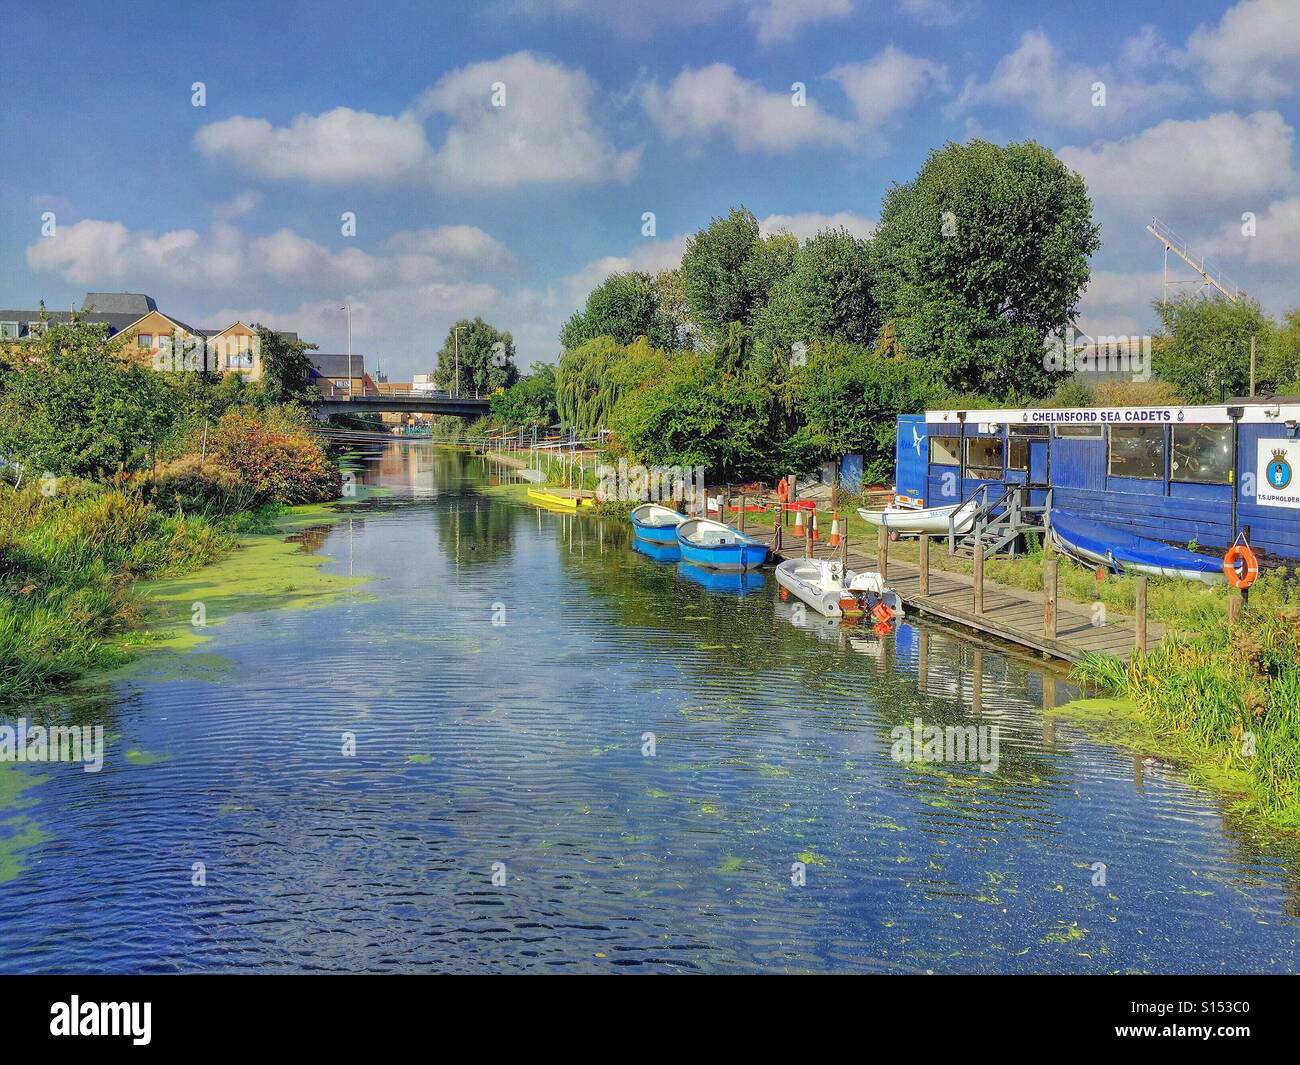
(1278, 473)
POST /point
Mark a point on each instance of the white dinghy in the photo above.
(931, 520)
(824, 586)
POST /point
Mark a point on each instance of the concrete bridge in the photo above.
(397, 401)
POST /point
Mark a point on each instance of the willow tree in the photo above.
(593, 376)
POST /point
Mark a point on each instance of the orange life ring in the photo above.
(782, 490)
(1240, 566)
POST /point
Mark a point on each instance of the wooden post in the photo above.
(882, 552)
(724, 501)
(1140, 622)
(923, 580)
(740, 514)
(776, 536)
(979, 578)
(1234, 608)
(807, 541)
(1050, 567)
(844, 548)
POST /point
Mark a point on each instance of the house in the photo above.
(167, 342)
(341, 374)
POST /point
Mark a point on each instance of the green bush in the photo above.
(194, 486)
(276, 457)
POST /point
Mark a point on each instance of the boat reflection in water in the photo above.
(669, 552)
(860, 636)
(736, 582)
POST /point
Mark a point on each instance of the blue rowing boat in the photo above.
(659, 552)
(656, 524)
(711, 544)
(1123, 551)
(736, 582)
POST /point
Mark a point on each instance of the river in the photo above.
(572, 757)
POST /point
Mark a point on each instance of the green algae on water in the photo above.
(18, 832)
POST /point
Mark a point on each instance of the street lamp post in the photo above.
(348, 307)
(456, 332)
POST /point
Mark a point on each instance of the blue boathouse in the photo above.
(1201, 474)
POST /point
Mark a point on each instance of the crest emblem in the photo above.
(1279, 471)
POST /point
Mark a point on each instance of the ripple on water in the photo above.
(519, 748)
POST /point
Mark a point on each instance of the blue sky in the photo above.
(682, 108)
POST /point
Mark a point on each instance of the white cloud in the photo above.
(543, 133)
(714, 101)
(810, 223)
(336, 147)
(94, 252)
(772, 20)
(1038, 78)
(237, 207)
(650, 257)
(1222, 160)
(1276, 241)
(1118, 302)
(781, 20)
(1253, 53)
(889, 82)
(934, 12)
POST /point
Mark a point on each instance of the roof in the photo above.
(328, 365)
(133, 303)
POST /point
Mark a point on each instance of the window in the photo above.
(984, 457)
(35, 328)
(1137, 451)
(1078, 432)
(1038, 431)
(1018, 454)
(145, 340)
(943, 451)
(9, 330)
(1201, 454)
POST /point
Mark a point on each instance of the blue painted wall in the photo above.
(1172, 511)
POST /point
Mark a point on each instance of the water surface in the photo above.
(502, 674)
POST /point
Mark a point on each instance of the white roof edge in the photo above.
(1217, 414)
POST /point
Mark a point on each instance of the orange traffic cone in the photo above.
(835, 530)
(814, 525)
(798, 521)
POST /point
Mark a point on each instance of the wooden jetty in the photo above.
(1038, 621)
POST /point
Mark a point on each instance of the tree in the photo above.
(696, 414)
(623, 306)
(728, 270)
(286, 368)
(530, 401)
(981, 257)
(486, 361)
(827, 295)
(1204, 346)
(849, 400)
(591, 378)
(1279, 364)
(83, 408)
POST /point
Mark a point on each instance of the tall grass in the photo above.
(1234, 690)
(66, 563)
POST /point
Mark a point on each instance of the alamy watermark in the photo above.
(650, 484)
(947, 743)
(1075, 352)
(58, 743)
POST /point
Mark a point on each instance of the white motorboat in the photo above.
(833, 593)
(931, 520)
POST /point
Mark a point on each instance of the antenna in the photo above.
(1209, 277)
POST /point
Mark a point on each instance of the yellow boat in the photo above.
(561, 498)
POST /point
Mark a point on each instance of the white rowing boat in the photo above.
(931, 520)
(833, 593)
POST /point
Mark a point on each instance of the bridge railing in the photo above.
(337, 392)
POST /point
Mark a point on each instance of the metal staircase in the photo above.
(1000, 522)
